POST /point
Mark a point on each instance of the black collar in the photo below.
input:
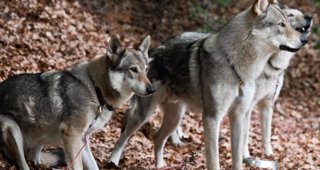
(202, 49)
(232, 67)
(272, 66)
(241, 82)
(101, 100)
(235, 71)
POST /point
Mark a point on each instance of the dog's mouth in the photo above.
(307, 28)
(141, 94)
(304, 30)
(293, 50)
(287, 48)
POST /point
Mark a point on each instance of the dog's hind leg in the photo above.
(141, 110)
(173, 113)
(266, 109)
(12, 139)
(177, 134)
(72, 144)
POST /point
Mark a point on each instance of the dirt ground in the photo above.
(42, 35)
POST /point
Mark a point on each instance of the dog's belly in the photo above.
(265, 88)
(35, 136)
(194, 102)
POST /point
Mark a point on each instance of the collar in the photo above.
(240, 84)
(101, 100)
(233, 68)
(272, 66)
(201, 46)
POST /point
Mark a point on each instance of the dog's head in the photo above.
(299, 21)
(129, 67)
(272, 23)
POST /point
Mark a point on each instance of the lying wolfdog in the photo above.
(68, 106)
(215, 76)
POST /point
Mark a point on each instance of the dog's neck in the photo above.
(277, 64)
(246, 52)
(98, 71)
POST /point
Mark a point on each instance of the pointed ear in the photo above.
(285, 7)
(260, 6)
(115, 46)
(144, 45)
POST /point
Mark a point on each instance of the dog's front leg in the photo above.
(88, 160)
(72, 144)
(237, 117)
(141, 110)
(246, 125)
(237, 140)
(215, 108)
(211, 126)
(173, 113)
(266, 110)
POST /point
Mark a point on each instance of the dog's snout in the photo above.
(150, 89)
(304, 41)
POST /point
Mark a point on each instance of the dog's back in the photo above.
(39, 102)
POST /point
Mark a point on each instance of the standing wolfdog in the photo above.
(215, 76)
(268, 84)
(68, 106)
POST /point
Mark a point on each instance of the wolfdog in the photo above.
(268, 84)
(68, 106)
(216, 76)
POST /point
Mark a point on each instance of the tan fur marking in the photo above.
(143, 78)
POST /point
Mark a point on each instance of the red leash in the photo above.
(85, 140)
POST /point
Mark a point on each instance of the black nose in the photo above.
(150, 89)
(304, 41)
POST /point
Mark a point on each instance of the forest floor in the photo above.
(42, 35)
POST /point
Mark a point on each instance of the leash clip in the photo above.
(241, 83)
(100, 109)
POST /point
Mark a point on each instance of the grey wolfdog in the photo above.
(216, 76)
(268, 84)
(66, 107)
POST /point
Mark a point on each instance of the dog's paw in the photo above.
(161, 163)
(111, 165)
(176, 139)
(246, 153)
(177, 142)
(268, 150)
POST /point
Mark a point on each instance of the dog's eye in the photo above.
(290, 15)
(134, 69)
(282, 24)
